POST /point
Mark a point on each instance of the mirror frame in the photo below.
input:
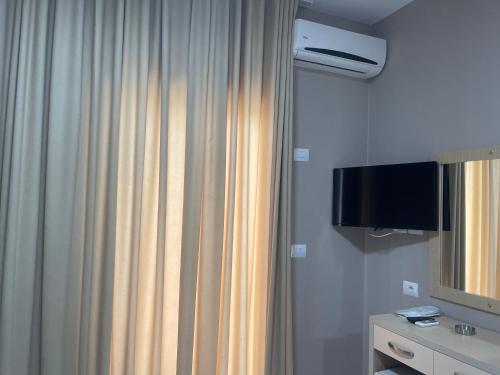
(437, 290)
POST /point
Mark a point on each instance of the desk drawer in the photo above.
(403, 350)
(444, 365)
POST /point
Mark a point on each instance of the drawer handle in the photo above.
(401, 352)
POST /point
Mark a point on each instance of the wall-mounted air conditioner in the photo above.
(332, 49)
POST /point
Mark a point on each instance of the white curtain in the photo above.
(482, 206)
(454, 244)
(59, 113)
(145, 186)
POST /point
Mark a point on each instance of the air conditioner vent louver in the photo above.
(344, 55)
(328, 48)
(328, 67)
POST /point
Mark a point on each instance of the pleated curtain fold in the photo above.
(456, 248)
(145, 186)
(482, 231)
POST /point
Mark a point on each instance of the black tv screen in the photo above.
(399, 196)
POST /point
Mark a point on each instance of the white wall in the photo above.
(440, 91)
(330, 119)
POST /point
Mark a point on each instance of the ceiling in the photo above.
(364, 11)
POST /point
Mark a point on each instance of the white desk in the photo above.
(434, 350)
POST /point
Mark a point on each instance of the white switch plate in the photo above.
(301, 154)
(299, 251)
(410, 288)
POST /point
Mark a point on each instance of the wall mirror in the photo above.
(465, 252)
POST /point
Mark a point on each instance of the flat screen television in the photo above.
(398, 196)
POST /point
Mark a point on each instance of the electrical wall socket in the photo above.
(299, 251)
(410, 288)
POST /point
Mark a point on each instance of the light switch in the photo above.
(301, 154)
(299, 251)
(410, 289)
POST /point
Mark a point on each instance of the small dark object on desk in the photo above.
(419, 318)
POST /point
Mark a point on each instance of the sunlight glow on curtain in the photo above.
(483, 227)
(194, 261)
(145, 187)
